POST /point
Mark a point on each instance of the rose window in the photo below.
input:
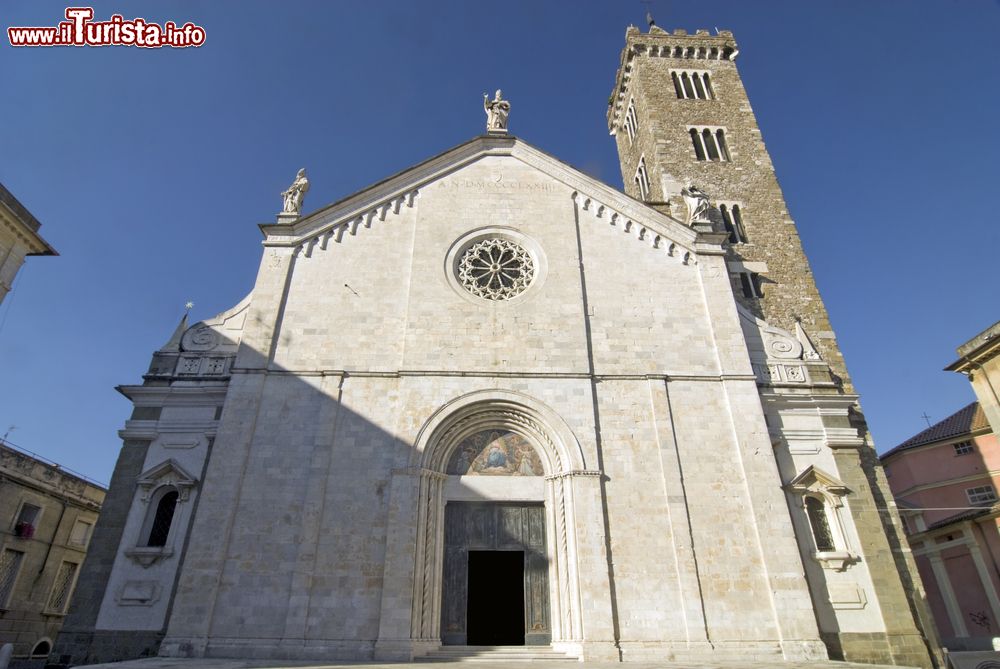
(496, 269)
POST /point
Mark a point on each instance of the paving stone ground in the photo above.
(203, 663)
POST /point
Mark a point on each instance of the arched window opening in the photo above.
(699, 88)
(41, 649)
(160, 528)
(713, 152)
(708, 86)
(699, 149)
(688, 89)
(816, 510)
(723, 148)
(677, 85)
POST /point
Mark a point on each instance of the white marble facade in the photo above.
(309, 432)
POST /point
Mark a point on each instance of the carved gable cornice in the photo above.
(168, 472)
(651, 234)
(390, 198)
(814, 479)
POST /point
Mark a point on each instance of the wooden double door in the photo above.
(496, 575)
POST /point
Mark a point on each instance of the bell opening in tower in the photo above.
(496, 598)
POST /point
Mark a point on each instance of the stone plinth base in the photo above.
(403, 650)
(74, 648)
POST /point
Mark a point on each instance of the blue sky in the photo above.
(150, 169)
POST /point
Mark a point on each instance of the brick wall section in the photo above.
(790, 292)
(77, 638)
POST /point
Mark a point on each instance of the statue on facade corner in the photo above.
(497, 111)
(697, 205)
(295, 194)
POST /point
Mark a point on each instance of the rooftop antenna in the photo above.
(9, 430)
(926, 418)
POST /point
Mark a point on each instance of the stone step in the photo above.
(495, 654)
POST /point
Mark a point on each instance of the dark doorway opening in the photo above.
(496, 598)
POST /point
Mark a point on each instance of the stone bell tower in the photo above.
(681, 118)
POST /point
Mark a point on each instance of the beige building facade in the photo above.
(491, 400)
(19, 238)
(979, 360)
(49, 516)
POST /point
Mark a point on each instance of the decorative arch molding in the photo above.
(830, 492)
(558, 447)
(167, 473)
(421, 487)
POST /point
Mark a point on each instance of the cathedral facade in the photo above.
(493, 401)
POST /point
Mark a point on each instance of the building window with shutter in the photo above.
(62, 588)
(10, 565)
(80, 534)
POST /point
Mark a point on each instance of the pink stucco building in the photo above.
(945, 481)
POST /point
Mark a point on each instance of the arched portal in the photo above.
(495, 588)
(521, 464)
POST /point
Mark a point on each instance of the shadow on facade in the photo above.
(313, 517)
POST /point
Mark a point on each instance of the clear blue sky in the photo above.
(149, 169)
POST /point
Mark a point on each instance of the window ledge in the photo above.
(836, 560)
(147, 555)
(54, 614)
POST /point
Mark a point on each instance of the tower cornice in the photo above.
(658, 43)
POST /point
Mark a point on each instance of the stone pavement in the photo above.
(205, 663)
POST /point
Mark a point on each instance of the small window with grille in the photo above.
(981, 495)
(822, 536)
(62, 588)
(10, 564)
(963, 448)
(692, 84)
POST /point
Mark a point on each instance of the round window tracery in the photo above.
(496, 269)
